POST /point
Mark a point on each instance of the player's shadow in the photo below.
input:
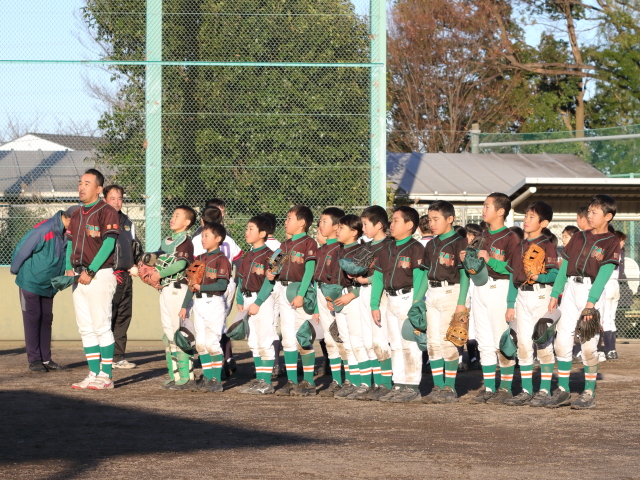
(66, 437)
(140, 358)
(13, 351)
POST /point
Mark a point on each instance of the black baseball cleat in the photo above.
(247, 387)
(188, 386)
(377, 393)
(584, 401)
(347, 389)
(358, 392)
(304, 389)
(52, 366)
(559, 398)
(331, 390)
(407, 395)
(286, 390)
(262, 388)
(540, 399)
(446, 395)
(501, 395)
(364, 394)
(168, 384)
(214, 386)
(483, 396)
(520, 400)
(37, 367)
(390, 394)
(433, 394)
(612, 355)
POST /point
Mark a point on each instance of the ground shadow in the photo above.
(14, 351)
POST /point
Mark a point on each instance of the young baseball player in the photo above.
(494, 302)
(581, 218)
(531, 305)
(297, 275)
(612, 298)
(92, 231)
(446, 284)
(273, 244)
(591, 256)
(209, 312)
(327, 273)
(375, 224)
(425, 230)
(254, 296)
(399, 274)
(474, 236)
(179, 250)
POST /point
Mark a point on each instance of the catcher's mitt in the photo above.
(195, 274)
(533, 262)
(458, 331)
(276, 261)
(587, 329)
(363, 258)
(146, 274)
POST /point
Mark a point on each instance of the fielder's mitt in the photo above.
(533, 262)
(335, 334)
(145, 272)
(458, 331)
(586, 330)
(363, 258)
(195, 274)
(276, 261)
(541, 328)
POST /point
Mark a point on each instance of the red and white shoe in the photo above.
(85, 383)
(101, 382)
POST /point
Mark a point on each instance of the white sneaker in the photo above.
(602, 357)
(124, 364)
(84, 383)
(101, 382)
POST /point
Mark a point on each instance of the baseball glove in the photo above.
(541, 327)
(586, 330)
(363, 258)
(533, 262)
(458, 331)
(335, 334)
(195, 274)
(276, 261)
(146, 274)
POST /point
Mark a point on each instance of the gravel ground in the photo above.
(53, 432)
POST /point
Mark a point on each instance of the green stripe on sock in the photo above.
(206, 359)
(450, 372)
(93, 358)
(291, 363)
(336, 369)
(563, 380)
(365, 373)
(106, 363)
(437, 372)
(489, 374)
(506, 377)
(308, 363)
(385, 368)
(527, 378)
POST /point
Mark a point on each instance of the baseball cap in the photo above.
(418, 316)
(508, 343)
(410, 334)
(550, 320)
(239, 329)
(306, 335)
(475, 267)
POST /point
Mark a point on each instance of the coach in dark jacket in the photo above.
(38, 257)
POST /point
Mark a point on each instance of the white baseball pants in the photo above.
(351, 312)
(171, 299)
(290, 319)
(334, 349)
(531, 307)
(261, 328)
(441, 305)
(92, 304)
(611, 296)
(374, 337)
(208, 315)
(229, 296)
(406, 357)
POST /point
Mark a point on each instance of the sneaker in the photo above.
(612, 355)
(52, 366)
(447, 395)
(358, 392)
(200, 384)
(390, 394)
(124, 364)
(501, 395)
(602, 357)
(347, 389)
(188, 386)
(304, 389)
(483, 396)
(558, 399)
(262, 388)
(168, 384)
(286, 390)
(365, 394)
(247, 387)
(540, 399)
(520, 400)
(84, 383)
(378, 392)
(433, 394)
(407, 395)
(331, 391)
(213, 386)
(584, 401)
(101, 382)
(37, 367)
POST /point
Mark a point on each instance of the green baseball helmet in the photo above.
(306, 335)
(475, 267)
(239, 329)
(509, 343)
(545, 328)
(410, 334)
(185, 338)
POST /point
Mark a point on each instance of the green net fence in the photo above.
(262, 104)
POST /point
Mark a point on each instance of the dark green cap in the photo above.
(475, 267)
(351, 268)
(418, 316)
(306, 335)
(410, 334)
(185, 338)
(310, 299)
(509, 343)
(239, 329)
(546, 325)
(333, 292)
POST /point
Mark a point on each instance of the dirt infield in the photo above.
(140, 431)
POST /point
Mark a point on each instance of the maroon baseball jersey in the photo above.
(551, 257)
(375, 249)
(88, 229)
(217, 266)
(346, 252)
(327, 267)
(253, 267)
(586, 253)
(299, 251)
(503, 246)
(396, 262)
(442, 258)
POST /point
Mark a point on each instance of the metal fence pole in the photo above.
(378, 103)
(153, 126)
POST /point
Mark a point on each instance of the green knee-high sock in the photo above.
(184, 364)
(207, 365)
(506, 377)
(564, 370)
(546, 373)
(336, 369)
(291, 362)
(590, 375)
(365, 373)
(347, 373)
(216, 361)
(386, 372)
(267, 368)
(437, 372)
(308, 362)
(450, 371)
(93, 358)
(354, 373)
(167, 354)
(257, 362)
(376, 371)
(107, 359)
(526, 375)
(489, 375)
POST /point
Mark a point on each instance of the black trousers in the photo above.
(37, 316)
(121, 315)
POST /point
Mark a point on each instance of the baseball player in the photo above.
(273, 244)
(591, 256)
(612, 295)
(208, 312)
(296, 276)
(326, 273)
(534, 293)
(426, 235)
(399, 274)
(93, 231)
(254, 296)
(446, 284)
(494, 302)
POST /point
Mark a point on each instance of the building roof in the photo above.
(51, 142)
